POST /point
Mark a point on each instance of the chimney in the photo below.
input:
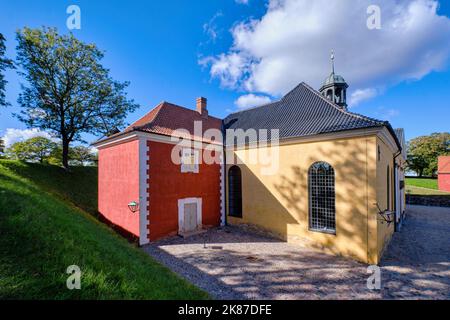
(201, 106)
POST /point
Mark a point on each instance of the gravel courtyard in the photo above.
(232, 263)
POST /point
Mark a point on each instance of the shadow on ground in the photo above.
(417, 262)
(236, 263)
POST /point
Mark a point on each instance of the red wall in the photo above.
(118, 184)
(167, 184)
(444, 173)
(444, 181)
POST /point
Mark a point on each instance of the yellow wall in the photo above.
(386, 159)
(279, 202)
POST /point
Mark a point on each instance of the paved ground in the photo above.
(417, 262)
(232, 263)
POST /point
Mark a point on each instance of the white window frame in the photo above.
(181, 203)
(188, 152)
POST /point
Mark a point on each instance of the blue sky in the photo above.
(176, 51)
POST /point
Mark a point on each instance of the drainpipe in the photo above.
(395, 191)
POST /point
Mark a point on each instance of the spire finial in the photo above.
(332, 61)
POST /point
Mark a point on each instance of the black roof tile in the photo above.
(301, 112)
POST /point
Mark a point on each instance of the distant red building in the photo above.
(444, 173)
(137, 165)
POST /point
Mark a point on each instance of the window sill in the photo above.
(331, 232)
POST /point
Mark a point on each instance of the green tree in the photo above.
(424, 151)
(81, 155)
(69, 92)
(37, 149)
(4, 64)
(2, 146)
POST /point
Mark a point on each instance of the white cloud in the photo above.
(241, 1)
(361, 95)
(251, 100)
(229, 68)
(15, 135)
(386, 113)
(292, 42)
(210, 28)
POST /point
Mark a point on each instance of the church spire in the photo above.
(332, 61)
(334, 87)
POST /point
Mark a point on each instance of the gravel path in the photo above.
(238, 263)
(417, 262)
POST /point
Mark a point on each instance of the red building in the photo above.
(163, 174)
(444, 173)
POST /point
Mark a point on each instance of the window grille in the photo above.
(322, 207)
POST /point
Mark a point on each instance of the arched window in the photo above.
(322, 209)
(235, 192)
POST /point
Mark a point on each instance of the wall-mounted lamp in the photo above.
(386, 215)
(133, 206)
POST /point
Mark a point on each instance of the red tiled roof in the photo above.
(444, 164)
(166, 117)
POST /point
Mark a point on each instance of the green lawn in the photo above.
(42, 233)
(423, 186)
(424, 191)
(428, 183)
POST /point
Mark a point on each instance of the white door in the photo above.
(190, 217)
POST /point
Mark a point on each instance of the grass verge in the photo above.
(42, 234)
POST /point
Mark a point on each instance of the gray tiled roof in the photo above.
(301, 112)
(400, 133)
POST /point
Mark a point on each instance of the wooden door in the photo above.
(190, 217)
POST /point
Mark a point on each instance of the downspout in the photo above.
(395, 191)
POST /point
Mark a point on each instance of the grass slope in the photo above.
(41, 235)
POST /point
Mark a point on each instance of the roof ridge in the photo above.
(160, 106)
(292, 90)
(146, 114)
(341, 109)
(252, 108)
(272, 102)
(188, 109)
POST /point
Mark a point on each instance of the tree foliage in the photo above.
(4, 64)
(2, 146)
(82, 155)
(424, 151)
(37, 149)
(69, 92)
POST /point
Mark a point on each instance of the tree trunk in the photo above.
(65, 153)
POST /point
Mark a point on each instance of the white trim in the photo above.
(387, 138)
(383, 133)
(143, 195)
(115, 141)
(222, 191)
(181, 203)
(132, 135)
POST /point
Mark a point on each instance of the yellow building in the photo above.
(310, 172)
